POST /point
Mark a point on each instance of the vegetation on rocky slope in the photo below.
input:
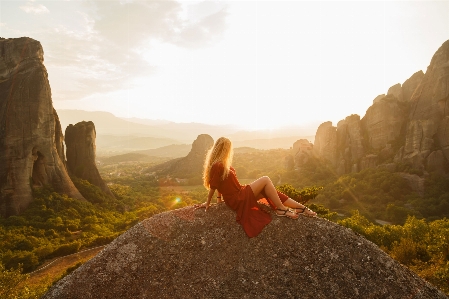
(55, 225)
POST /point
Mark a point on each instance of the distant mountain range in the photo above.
(117, 135)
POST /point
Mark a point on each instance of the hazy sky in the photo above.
(258, 64)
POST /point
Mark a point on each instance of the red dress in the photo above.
(241, 199)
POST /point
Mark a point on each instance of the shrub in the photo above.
(302, 196)
(18, 259)
(406, 251)
(91, 192)
(66, 249)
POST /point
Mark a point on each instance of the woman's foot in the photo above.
(287, 212)
(305, 211)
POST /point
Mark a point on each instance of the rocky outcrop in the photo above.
(429, 111)
(415, 182)
(410, 123)
(192, 164)
(410, 85)
(326, 142)
(384, 121)
(31, 147)
(378, 98)
(443, 137)
(369, 161)
(193, 254)
(434, 162)
(352, 139)
(302, 151)
(81, 153)
(396, 91)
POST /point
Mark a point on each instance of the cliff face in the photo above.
(429, 113)
(326, 142)
(349, 143)
(31, 148)
(81, 153)
(383, 121)
(193, 254)
(410, 123)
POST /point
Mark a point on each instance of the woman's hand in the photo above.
(205, 205)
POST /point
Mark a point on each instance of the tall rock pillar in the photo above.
(31, 149)
(81, 153)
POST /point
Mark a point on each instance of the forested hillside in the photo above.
(56, 225)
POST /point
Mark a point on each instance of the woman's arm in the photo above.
(209, 197)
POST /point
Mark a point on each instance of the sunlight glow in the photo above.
(254, 64)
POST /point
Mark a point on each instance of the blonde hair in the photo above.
(220, 152)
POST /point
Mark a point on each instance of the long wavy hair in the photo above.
(221, 152)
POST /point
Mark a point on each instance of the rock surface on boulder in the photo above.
(31, 148)
(193, 254)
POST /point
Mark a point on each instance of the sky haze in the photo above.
(256, 64)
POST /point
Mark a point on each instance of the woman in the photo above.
(220, 175)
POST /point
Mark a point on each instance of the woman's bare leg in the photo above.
(299, 207)
(264, 184)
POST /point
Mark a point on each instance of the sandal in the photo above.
(305, 211)
(284, 214)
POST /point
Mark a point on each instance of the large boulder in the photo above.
(31, 140)
(81, 153)
(193, 254)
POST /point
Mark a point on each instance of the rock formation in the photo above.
(302, 151)
(410, 123)
(192, 164)
(429, 113)
(31, 147)
(384, 120)
(326, 142)
(193, 254)
(410, 85)
(350, 142)
(81, 153)
(396, 91)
